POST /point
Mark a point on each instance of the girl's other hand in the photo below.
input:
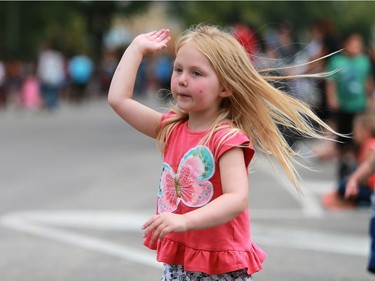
(152, 42)
(162, 224)
(351, 189)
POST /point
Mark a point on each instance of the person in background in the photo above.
(13, 82)
(245, 34)
(364, 132)
(351, 192)
(80, 69)
(371, 53)
(348, 94)
(30, 91)
(3, 98)
(325, 44)
(163, 68)
(51, 74)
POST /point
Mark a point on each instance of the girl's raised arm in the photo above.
(139, 116)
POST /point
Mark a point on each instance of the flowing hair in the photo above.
(255, 106)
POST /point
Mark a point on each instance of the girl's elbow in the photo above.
(112, 101)
(242, 204)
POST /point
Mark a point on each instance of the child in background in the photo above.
(348, 94)
(30, 91)
(224, 110)
(364, 133)
(364, 136)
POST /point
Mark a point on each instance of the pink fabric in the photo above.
(221, 249)
(31, 94)
(367, 146)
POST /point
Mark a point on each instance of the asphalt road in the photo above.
(77, 184)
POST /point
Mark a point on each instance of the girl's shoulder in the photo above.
(226, 136)
(365, 148)
(169, 114)
(369, 144)
(227, 131)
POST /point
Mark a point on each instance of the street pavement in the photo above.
(77, 184)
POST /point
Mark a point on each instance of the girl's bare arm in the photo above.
(141, 117)
(361, 173)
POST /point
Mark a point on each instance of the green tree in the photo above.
(346, 15)
(74, 26)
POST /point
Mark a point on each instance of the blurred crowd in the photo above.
(54, 77)
(337, 99)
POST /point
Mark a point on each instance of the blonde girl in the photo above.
(224, 110)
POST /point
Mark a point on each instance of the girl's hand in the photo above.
(162, 224)
(151, 42)
(351, 189)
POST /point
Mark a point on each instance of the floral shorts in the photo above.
(176, 272)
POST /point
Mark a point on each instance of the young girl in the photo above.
(364, 133)
(223, 110)
(350, 193)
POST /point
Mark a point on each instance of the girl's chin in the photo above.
(184, 106)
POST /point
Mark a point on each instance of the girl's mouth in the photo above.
(183, 95)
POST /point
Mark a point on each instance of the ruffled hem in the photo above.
(210, 262)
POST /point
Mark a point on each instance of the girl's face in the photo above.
(194, 83)
(360, 134)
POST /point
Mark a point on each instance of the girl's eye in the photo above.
(177, 69)
(196, 73)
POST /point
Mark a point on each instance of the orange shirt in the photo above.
(365, 148)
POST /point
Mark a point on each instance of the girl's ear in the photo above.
(225, 93)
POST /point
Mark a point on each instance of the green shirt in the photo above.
(351, 76)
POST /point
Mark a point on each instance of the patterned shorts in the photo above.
(176, 272)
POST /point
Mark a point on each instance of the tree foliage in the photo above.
(73, 26)
(78, 26)
(347, 15)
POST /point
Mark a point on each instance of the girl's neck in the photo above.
(200, 123)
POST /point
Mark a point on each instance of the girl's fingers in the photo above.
(162, 32)
(161, 35)
(150, 225)
(147, 227)
(156, 226)
(155, 235)
(160, 232)
(147, 223)
(162, 224)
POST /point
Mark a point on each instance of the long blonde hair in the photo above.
(255, 106)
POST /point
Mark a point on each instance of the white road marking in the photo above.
(38, 223)
(297, 238)
(51, 225)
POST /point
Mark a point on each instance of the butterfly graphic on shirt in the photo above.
(190, 184)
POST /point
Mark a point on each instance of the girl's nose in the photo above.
(182, 81)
